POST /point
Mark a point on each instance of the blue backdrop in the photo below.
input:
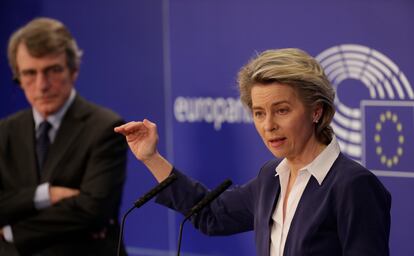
(175, 62)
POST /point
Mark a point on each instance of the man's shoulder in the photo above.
(94, 111)
(15, 125)
(16, 119)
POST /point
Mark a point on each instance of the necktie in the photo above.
(42, 143)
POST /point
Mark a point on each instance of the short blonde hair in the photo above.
(298, 69)
(44, 36)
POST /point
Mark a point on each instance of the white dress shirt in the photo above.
(42, 197)
(318, 168)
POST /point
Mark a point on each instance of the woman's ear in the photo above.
(317, 113)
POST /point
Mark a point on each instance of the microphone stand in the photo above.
(141, 201)
(180, 235)
(121, 232)
(200, 205)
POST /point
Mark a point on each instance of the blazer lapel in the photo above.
(273, 196)
(70, 128)
(25, 133)
(302, 213)
(272, 190)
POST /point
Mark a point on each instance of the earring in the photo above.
(316, 121)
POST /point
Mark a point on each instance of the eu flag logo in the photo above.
(388, 135)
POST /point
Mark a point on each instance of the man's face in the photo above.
(46, 81)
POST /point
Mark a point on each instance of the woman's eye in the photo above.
(258, 114)
(283, 111)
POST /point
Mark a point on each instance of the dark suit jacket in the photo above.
(86, 155)
(348, 214)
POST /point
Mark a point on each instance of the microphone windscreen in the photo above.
(209, 198)
(157, 189)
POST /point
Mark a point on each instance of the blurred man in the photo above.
(62, 168)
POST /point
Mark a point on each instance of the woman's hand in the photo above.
(142, 138)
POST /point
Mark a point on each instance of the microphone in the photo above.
(209, 198)
(141, 201)
(200, 205)
(153, 192)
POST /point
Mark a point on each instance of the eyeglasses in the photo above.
(52, 74)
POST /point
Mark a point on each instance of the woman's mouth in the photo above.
(277, 142)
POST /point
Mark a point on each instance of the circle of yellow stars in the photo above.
(388, 116)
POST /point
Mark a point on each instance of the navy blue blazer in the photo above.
(348, 214)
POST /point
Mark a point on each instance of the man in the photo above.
(62, 168)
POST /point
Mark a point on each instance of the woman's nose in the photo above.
(270, 123)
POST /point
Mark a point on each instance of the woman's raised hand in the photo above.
(142, 138)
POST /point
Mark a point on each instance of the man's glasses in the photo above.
(52, 74)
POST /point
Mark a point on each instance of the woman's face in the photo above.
(285, 124)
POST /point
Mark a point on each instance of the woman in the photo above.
(312, 199)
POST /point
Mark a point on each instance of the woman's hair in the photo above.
(295, 68)
(42, 37)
